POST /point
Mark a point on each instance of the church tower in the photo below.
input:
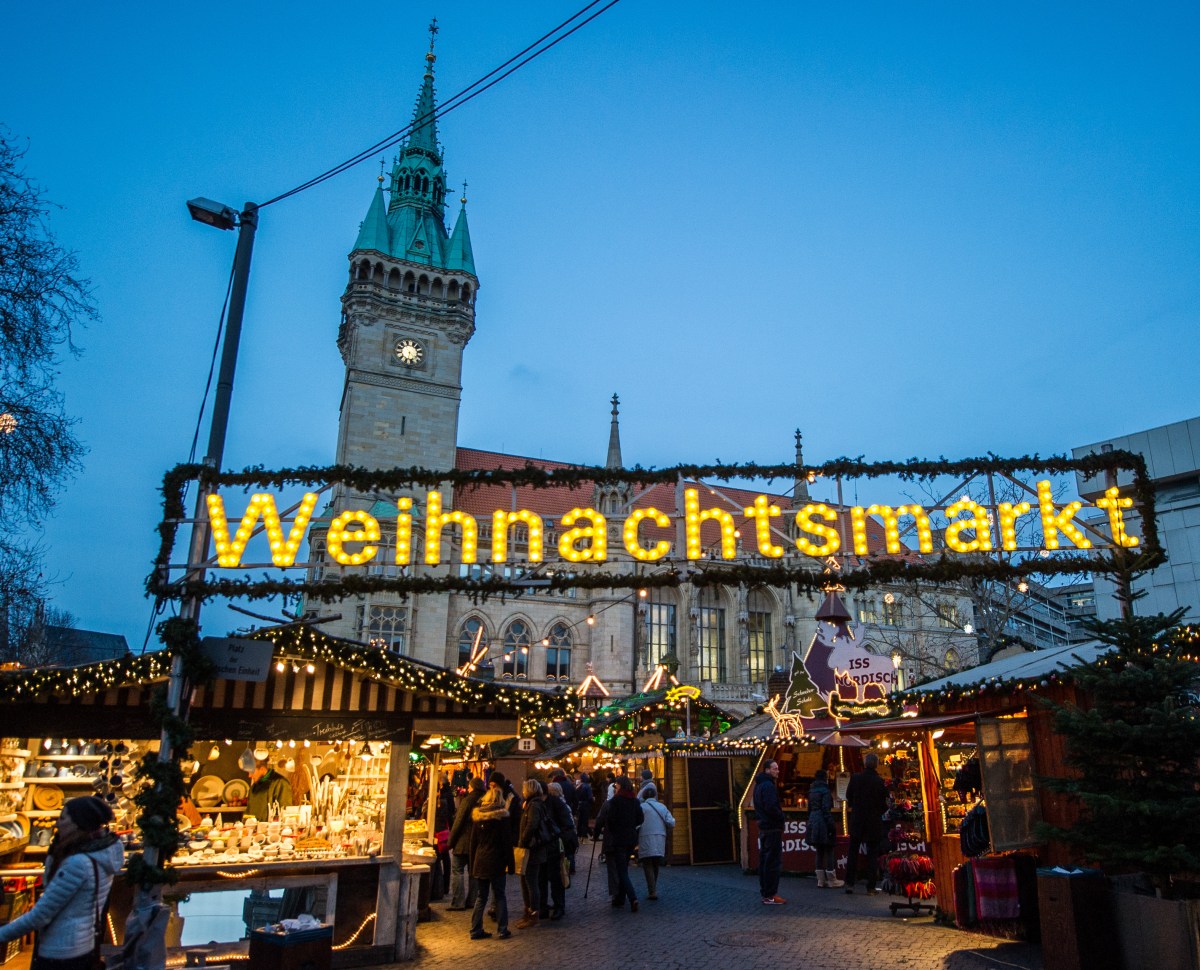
(408, 311)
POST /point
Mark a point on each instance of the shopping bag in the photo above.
(565, 863)
(520, 860)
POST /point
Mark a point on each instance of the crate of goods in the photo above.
(303, 950)
(12, 905)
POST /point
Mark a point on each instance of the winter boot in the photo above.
(832, 881)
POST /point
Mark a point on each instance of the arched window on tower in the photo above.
(452, 290)
(407, 181)
(516, 651)
(558, 653)
(424, 185)
(467, 635)
(466, 293)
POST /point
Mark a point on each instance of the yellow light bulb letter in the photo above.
(693, 517)
(762, 512)
(404, 531)
(596, 535)
(339, 534)
(630, 535)
(283, 548)
(805, 523)
(436, 520)
(1114, 504)
(1009, 513)
(1054, 521)
(503, 521)
(977, 523)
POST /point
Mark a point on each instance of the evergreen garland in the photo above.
(803, 574)
(159, 800)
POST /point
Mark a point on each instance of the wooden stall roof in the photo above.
(352, 691)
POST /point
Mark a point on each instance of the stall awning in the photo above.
(896, 725)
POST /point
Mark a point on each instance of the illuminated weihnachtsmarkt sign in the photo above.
(755, 540)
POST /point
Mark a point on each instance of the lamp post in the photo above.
(151, 953)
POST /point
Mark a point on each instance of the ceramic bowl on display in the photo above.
(47, 771)
(89, 749)
(72, 749)
(64, 772)
(197, 844)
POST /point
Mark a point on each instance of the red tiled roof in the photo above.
(481, 501)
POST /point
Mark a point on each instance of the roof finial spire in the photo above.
(433, 30)
(800, 489)
(614, 436)
(463, 200)
(382, 163)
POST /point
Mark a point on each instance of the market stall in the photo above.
(298, 779)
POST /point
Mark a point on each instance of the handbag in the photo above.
(565, 869)
(547, 833)
(520, 860)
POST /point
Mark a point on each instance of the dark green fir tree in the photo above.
(1133, 741)
(803, 698)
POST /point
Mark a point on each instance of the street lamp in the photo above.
(221, 217)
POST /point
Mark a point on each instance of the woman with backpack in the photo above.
(657, 821)
(80, 866)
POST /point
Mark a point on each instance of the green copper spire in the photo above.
(424, 134)
(458, 254)
(373, 234)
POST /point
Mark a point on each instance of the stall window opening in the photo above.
(1006, 764)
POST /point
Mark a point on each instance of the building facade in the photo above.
(1172, 454)
(408, 313)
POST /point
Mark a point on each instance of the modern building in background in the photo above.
(1172, 454)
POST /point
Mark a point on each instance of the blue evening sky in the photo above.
(908, 229)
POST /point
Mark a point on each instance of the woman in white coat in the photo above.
(657, 821)
(81, 864)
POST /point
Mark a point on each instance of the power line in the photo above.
(468, 93)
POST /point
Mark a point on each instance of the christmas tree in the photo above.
(1135, 747)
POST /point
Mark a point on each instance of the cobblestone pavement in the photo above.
(710, 918)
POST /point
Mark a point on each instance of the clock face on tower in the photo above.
(409, 352)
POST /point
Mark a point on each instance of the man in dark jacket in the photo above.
(462, 895)
(583, 816)
(868, 800)
(624, 815)
(770, 833)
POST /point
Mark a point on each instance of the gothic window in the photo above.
(760, 646)
(424, 186)
(948, 616)
(452, 292)
(384, 626)
(868, 612)
(558, 653)
(466, 293)
(660, 633)
(516, 651)
(953, 661)
(466, 639)
(891, 612)
(711, 641)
